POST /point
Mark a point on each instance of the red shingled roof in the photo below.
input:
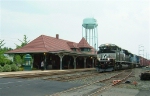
(49, 44)
(72, 45)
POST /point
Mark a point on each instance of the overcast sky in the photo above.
(125, 23)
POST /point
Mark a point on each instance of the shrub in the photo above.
(7, 61)
(14, 67)
(34, 68)
(1, 68)
(7, 68)
(20, 69)
(2, 64)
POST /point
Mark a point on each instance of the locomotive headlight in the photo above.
(99, 59)
(108, 59)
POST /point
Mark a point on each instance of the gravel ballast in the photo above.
(129, 89)
(124, 89)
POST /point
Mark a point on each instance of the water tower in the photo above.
(89, 31)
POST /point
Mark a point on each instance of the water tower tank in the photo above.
(89, 23)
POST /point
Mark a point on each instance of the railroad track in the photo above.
(118, 79)
(121, 76)
(74, 77)
(65, 78)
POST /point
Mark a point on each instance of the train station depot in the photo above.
(58, 53)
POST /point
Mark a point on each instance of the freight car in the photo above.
(143, 61)
(111, 57)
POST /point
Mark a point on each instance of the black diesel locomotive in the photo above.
(111, 57)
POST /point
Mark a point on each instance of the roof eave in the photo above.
(24, 52)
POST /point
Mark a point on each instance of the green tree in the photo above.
(18, 60)
(23, 42)
(19, 57)
(7, 49)
(2, 57)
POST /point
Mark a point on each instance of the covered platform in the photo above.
(17, 73)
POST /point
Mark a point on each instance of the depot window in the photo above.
(85, 49)
(74, 49)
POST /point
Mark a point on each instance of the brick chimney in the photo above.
(57, 36)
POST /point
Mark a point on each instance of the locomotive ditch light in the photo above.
(107, 44)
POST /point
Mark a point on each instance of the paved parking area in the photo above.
(31, 87)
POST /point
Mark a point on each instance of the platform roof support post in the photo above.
(45, 61)
(85, 62)
(61, 57)
(93, 63)
(74, 63)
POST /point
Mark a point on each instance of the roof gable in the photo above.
(83, 43)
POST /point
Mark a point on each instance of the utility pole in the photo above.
(139, 51)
